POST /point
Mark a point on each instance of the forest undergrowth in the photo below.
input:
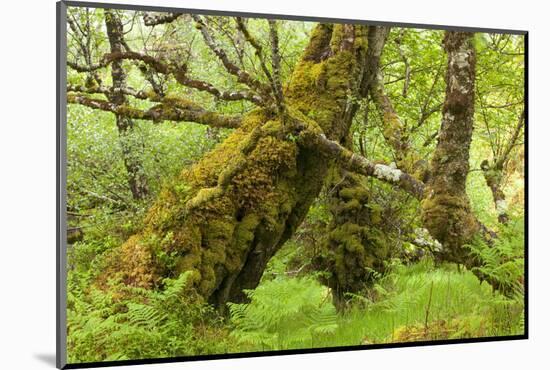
(416, 301)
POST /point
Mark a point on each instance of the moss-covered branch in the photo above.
(128, 91)
(179, 72)
(168, 109)
(154, 19)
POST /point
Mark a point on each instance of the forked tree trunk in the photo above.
(224, 218)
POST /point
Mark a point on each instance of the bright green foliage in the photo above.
(153, 324)
(425, 296)
(284, 313)
(412, 302)
(503, 261)
(238, 189)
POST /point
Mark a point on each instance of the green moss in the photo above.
(203, 196)
(320, 87)
(354, 250)
(358, 193)
(253, 189)
(244, 231)
(319, 39)
(450, 221)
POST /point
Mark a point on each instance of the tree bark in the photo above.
(131, 155)
(446, 210)
(224, 218)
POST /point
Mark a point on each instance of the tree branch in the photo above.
(361, 165)
(223, 95)
(258, 50)
(232, 68)
(110, 90)
(399, 41)
(394, 129)
(179, 73)
(506, 153)
(129, 55)
(177, 110)
(276, 65)
(151, 19)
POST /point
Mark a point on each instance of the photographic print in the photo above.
(240, 184)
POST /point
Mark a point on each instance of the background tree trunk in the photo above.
(130, 151)
(446, 210)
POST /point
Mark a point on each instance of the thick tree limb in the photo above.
(168, 110)
(358, 164)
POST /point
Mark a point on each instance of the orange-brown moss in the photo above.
(440, 329)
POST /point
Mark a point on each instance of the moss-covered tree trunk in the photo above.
(224, 218)
(354, 249)
(130, 152)
(446, 210)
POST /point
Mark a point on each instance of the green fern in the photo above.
(503, 261)
(149, 324)
(284, 313)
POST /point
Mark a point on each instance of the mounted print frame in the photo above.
(236, 184)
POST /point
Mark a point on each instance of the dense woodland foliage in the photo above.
(239, 184)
